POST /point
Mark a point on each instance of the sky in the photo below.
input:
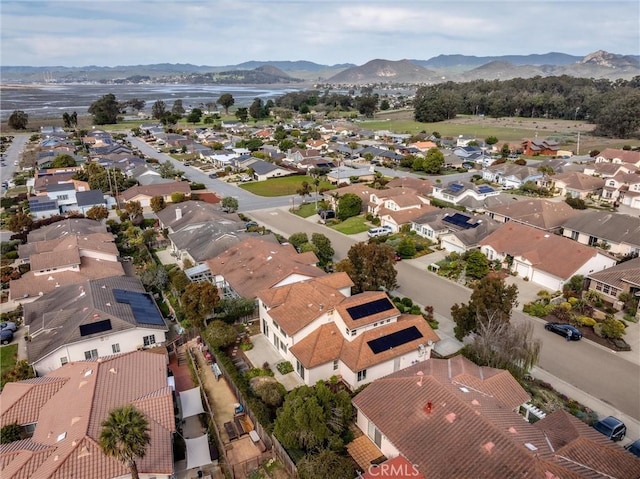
(328, 32)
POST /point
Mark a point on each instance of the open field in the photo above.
(287, 185)
(511, 129)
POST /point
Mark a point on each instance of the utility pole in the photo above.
(578, 145)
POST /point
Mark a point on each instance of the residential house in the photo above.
(537, 212)
(452, 230)
(68, 259)
(144, 193)
(146, 175)
(296, 155)
(511, 176)
(422, 187)
(626, 157)
(257, 263)
(91, 320)
(395, 199)
(345, 175)
(70, 226)
(424, 145)
(463, 193)
(362, 190)
(396, 219)
(542, 258)
(576, 184)
(464, 140)
(43, 207)
(125, 162)
(452, 418)
(623, 189)
(62, 412)
(199, 231)
(85, 200)
(324, 331)
(263, 170)
(606, 169)
(617, 233)
(540, 147)
(316, 163)
(221, 158)
(612, 283)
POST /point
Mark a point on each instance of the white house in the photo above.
(541, 257)
(91, 320)
(324, 331)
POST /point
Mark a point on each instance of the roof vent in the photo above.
(75, 419)
(88, 373)
(84, 452)
(450, 417)
(463, 389)
(61, 436)
(530, 446)
(113, 371)
(420, 374)
(488, 446)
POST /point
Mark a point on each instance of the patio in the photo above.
(264, 352)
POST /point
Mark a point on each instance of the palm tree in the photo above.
(125, 436)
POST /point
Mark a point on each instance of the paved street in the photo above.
(613, 378)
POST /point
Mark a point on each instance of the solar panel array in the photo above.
(142, 305)
(35, 206)
(460, 220)
(368, 309)
(485, 189)
(394, 340)
(455, 187)
(96, 327)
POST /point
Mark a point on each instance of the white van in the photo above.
(379, 231)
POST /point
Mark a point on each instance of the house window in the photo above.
(362, 375)
(374, 434)
(64, 360)
(353, 332)
(283, 346)
(149, 340)
(63, 197)
(606, 288)
(115, 348)
(335, 364)
(593, 240)
(598, 286)
(93, 354)
(300, 369)
(574, 235)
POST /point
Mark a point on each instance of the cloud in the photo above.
(225, 32)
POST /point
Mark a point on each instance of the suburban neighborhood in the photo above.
(278, 298)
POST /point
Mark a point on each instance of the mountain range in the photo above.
(457, 68)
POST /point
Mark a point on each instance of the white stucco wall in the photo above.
(128, 340)
(388, 449)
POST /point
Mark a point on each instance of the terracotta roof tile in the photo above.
(256, 264)
(547, 252)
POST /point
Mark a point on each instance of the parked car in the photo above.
(213, 175)
(634, 448)
(326, 214)
(612, 427)
(250, 224)
(379, 231)
(8, 325)
(6, 336)
(565, 330)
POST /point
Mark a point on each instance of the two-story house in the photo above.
(464, 193)
(324, 331)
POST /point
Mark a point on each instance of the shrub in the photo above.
(585, 321)
(256, 372)
(612, 329)
(537, 309)
(284, 367)
(407, 301)
(10, 433)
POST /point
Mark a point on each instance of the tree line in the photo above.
(611, 105)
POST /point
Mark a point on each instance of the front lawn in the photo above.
(351, 226)
(287, 185)
(306, 210)
(8, 357)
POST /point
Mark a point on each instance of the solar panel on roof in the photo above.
(460, 220)
(455, 187)
(142, 305)
(367, 309)
(485, 189)
(97, 327)
(394, 339)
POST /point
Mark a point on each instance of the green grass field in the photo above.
(287, 185)
(353, 225)
(8, 357)
(306, 210)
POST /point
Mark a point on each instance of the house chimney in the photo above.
(427, 408)
(178, 213)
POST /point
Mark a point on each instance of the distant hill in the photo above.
(401, 71)
(451, 61)
(598, 64)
